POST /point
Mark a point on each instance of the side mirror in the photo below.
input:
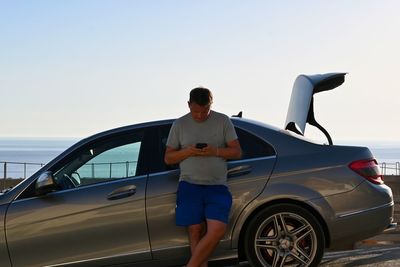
(45, 183)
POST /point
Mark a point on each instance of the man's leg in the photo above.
(196, 232)
(190, 212)
(207, 244)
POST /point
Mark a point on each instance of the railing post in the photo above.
(110, 170)
(397, 168)
(92, 170)
(24, 170)
(383, 168)
(5, 175)
(127, 168)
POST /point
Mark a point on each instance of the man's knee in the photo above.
(216, 229)
(219, 233)
(196, 229)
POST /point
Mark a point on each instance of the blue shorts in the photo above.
(196, 203)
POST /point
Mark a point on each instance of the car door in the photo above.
(95, 218)
(246, 180)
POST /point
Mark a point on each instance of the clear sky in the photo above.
(73, 68)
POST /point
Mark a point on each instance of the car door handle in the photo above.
(122, 192)
(239, 171)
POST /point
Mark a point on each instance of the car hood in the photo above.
(301, 106)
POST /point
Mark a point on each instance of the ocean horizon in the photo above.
(38, 151)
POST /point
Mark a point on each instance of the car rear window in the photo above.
(253, 146)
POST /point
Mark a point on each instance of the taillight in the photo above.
(369, 169)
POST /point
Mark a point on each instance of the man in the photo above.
(201, 142)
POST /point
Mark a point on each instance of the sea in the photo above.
(24, 156)
(35, 152)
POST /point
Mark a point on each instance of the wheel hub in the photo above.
(285, 243)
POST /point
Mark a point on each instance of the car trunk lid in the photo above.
(301, 106)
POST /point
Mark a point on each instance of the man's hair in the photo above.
(201, 96)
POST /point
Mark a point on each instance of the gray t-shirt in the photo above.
(217, 130)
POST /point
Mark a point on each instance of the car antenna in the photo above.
(239, 115)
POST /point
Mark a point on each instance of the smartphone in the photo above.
(201, 145)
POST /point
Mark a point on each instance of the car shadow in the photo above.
(376, 256)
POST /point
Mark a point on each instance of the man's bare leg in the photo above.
(206, 245)
(196, 232)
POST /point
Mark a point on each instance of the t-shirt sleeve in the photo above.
(173, 137)
(230, 133)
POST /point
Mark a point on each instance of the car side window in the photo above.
(107, 160)
(115, 163)
(253, 146)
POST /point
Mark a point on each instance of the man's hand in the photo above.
(174, 156)
(232, 151)
(208, 151)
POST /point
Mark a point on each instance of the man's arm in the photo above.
(174, 156)
(231, 151)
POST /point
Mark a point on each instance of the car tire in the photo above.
(283, 235)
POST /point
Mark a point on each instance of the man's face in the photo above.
(199, 113)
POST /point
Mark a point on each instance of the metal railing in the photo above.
(27, 168)
(390, 168)
(15, 172)
(107, 169)
(21, 170)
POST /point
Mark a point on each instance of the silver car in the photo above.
(110, 199)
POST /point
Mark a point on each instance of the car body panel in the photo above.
(81, 223)
(4, 257)
(161, 201)
(165, 236)
(309, 173)
(363, 212)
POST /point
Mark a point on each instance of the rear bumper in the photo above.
(362, 225)
(361, 213)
